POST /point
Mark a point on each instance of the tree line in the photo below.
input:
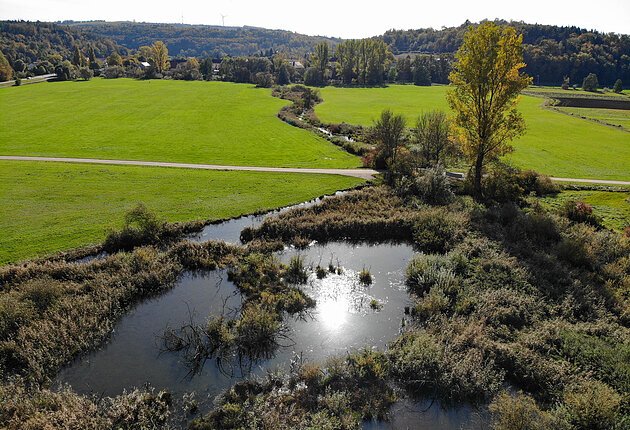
(551, 53)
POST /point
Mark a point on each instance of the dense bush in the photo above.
(579, 211)
(438, 229)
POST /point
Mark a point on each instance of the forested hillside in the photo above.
(30, 42)
(551, 52)
(203, 40)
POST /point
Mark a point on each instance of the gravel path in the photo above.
(357, 173)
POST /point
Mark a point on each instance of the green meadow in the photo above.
(613, 208)
(50, 207)
(617, 117)
(555, 144)
(159, 120)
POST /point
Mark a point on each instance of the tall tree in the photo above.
(486, 82)
(432, 137)
(388, 132)
(320, 58)
(91, 55)
(421, 73)
(114, 60)
(590, 82)
(159, 57)
(77, 57)
(6, 72)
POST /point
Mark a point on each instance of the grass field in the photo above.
(196, 122)
(612, 207)
(555, 144)
(617, 117)
(579, 92)
(48, 207)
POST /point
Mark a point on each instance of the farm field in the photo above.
(617, 117)
(159, 120)
(555, 144)
(49, 207)
(612, 207)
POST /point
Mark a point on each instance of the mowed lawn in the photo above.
(194, 122)
(49, 207)
(555, 144)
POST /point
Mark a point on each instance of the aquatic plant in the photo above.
(365, 277)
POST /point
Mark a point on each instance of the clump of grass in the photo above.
(320, 272)
(296, 271)
(376, 305)
(365, 277)
(428, 271)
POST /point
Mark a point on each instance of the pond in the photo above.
(348, 316)
(343, 320)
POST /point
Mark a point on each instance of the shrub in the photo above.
(14, 313)
(590, 83)
(579, 211)
(592, 405)
(141, 227)
(520, 412)
(618, 87)
(313, 77)
(431, 185)
(432, 303)
(438, 229)
(114, 72)
(263, 80)
(533, 182)
(501, 184)
(42, 292)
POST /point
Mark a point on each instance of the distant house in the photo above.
(296, 65)
(144, 65)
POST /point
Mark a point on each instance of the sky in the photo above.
(346, 19)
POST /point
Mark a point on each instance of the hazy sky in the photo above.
(346, 19)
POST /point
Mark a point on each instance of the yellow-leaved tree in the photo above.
(486, 80)
(159, 57)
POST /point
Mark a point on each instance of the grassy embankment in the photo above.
(193, 122)
(555, 144)
(50, 207)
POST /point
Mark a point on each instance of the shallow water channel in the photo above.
(343, 320)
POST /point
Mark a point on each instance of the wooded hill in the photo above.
(551, 52)
(204, 40)
(38, 41)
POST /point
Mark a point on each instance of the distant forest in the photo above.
(551, 52)
(204, 40)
